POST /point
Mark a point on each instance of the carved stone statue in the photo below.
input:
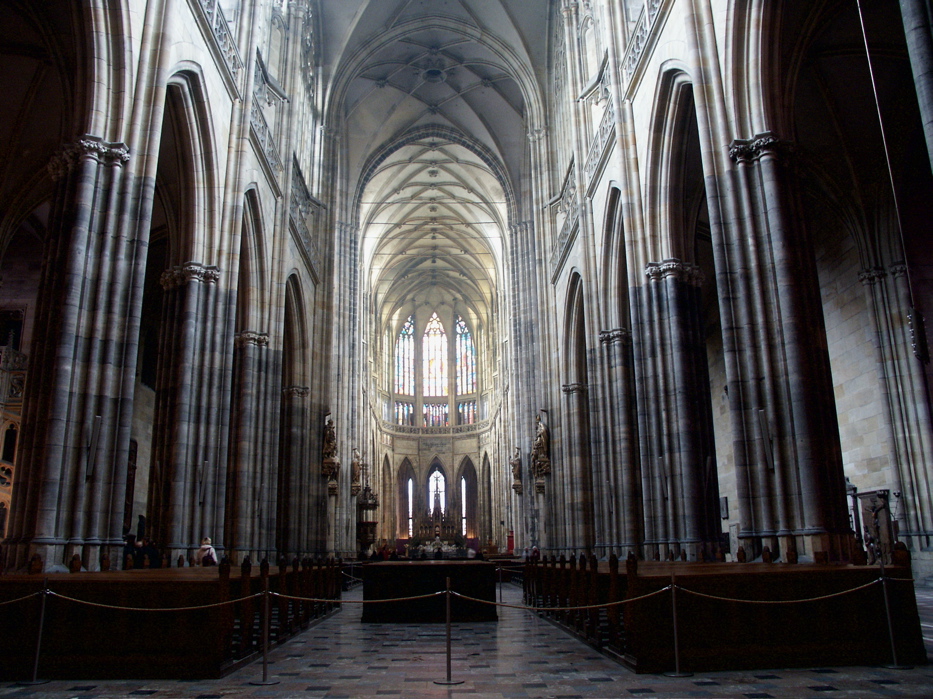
(540, 460)
(516, 463)
(356, 466)
(330, 467)
(356, 472)
(330, 440)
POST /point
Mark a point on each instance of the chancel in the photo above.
(332, 280)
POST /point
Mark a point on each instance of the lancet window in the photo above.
(411, 492)
(466, 359)
(436, 490)
(463, 501)
(434, 350)
(405, 360)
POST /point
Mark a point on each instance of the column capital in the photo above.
(570, 388)
(871, 275)
(250, 337)
(620, 335)
(179, 275)
(296, 391)
(88, 146)
(536, 134)
(751, 149)
(683, 271)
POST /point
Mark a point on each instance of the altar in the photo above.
(390, 580)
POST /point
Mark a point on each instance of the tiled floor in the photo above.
(520, 656)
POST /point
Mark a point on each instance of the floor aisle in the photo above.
(520, 656)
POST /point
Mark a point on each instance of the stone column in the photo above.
(61, 502)
(685, 488)
(623, 456)
(181, 426)
(578, 468)
(906, 404)
(247, 516)
(293, 516)
(919, 33)
(808, 467)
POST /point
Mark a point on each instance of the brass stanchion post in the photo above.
(677, 672)
(35, 664)
(265, 636)
(887, 612)
(448, 680)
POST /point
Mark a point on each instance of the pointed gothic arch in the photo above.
(467, 490)
(409, 504)
(580, 497)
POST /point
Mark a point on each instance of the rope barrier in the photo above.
(788, 601)
(13, 601)
(457, 594)
(153, 609)
(359, 601)
(563, 609)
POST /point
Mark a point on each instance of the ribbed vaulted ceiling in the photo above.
(437, 98)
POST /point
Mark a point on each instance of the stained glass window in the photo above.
(463, 500)
(436, 415)
(434, 349)
(411, 492)
(466, 412)
(436, 489)
(466, 359)
(405, 360)
(404, 413)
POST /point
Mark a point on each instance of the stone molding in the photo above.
(609, 337)
(570, 388)
(296, 391)
(65, 160)
(683, 271)
(180, 275)
(250, 337)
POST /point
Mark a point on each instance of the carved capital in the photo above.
(64, 161)
(870, 276)
(683, 271)
(536, 135)
(748, 150)
(610, 337)
(296, 391)
(250, 337)
(195, 271)
(180, 275)
(898, 270)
